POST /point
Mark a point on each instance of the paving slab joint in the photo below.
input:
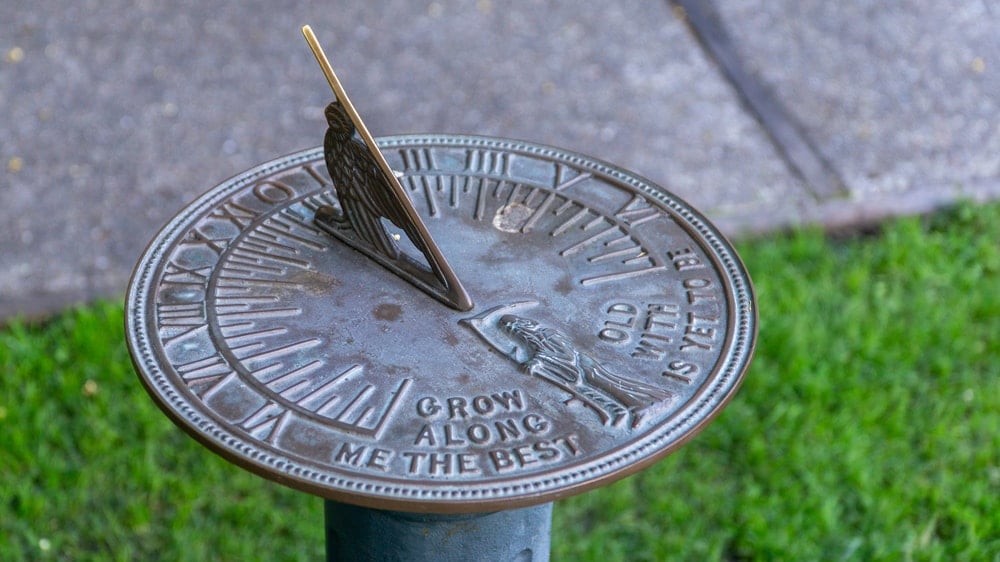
(797, 150)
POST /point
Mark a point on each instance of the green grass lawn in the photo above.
(867, 429)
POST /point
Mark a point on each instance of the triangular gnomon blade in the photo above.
(366, 199)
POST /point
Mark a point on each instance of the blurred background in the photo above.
(869, 426)
(117, 113)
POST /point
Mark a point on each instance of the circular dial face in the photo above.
(610, 323)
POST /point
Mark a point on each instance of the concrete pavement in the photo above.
(117, 113)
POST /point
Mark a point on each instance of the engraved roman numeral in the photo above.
(570, 221)
(481, 197)
(637, 211)
(196, 236)
(278, 230)
(418, 159)
(240, 267)
(235, 213)
(363, 417)
(299, 386)
(248, 353)
(321, 178)
(273, 192)
(253, 336)
(362, 411)
(595, 239)
(265, 423)
(632, 253)
(249, 261)
(539, 212)
(179, 320)
(204, 376)
(563, 178)
(487, 162)
(176, 274)
(272, 247)
(428, 189)
(239, 314)
(256, 254)
(610, 239)
(315, 202)
(290, 218)
(617, 276)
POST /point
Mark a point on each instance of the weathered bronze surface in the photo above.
(611, 323)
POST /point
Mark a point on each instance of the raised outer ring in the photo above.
(441, 497)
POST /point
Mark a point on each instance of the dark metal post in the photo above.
(358, 533)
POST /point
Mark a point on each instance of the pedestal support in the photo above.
(360, 534)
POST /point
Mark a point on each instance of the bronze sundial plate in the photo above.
(611, 322)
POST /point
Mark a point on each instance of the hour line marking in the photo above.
(298, 377)
(480, 199)
(264, 424)
(231, 290)
(283, 350)
(418, 159)
(259, 334)
(588, 241)
(291, 219)
(264, 255)
(621, 275)
(235, 213)
(637, 250)
(342, 419)
(250, 266)
(594, 222)
(263, 373)
(515, 190)
(429, 195)
(530, 197)
(240, 350)
(259, 242)
(396, 396)
(274, 234)
(320, 400)
(634, 213)
(320, 200)
(238, 284)
(539, 212)
(258, 314)
(324, 408)
(322, 181)
(187, 318)
(244, 272)
(559, 184)
(190, 276)
(210, 366)
(643, 256)
(568, 204)
(242, 301)
(196, 236)
(454, 191)
(487, 162)
(367, 390)
(188, 314)
(212, 370)
(568, 224)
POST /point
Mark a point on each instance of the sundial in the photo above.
(439, 323)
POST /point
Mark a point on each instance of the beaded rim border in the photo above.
(511, 492)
